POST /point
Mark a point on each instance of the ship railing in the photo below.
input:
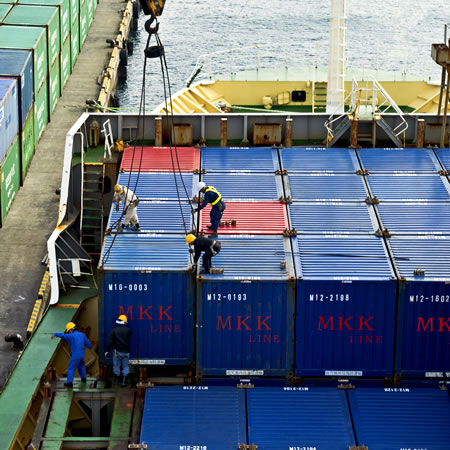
(374, 96)
(254, 57)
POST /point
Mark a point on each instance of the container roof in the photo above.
(13, 62)
(341, 257)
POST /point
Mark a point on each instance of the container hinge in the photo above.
(199, 171)
(372, 200)
(245, 386)
(281, 172)
(282, 264)
(345, 386)
(383, 233)
(284, 199)
(363, 172)
(248, 447)
(444, 172)
(419, 272)
(358, 447)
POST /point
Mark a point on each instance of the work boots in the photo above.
(124, 381)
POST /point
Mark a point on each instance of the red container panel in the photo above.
(250, 217)
(161, 159)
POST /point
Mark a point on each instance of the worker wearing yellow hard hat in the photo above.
(77, 342)
(119, 343)
(209, 247)
(130, 201)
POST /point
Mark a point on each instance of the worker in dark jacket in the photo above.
(119, 343)
(209, 247)
(213, 196)
(77, 341)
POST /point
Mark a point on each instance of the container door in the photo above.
(299, 418)
(194, 417)
(401, 418)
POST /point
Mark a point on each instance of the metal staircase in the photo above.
(92, 212)
(367, 106)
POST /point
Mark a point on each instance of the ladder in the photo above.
(319, 101)
(92, 210)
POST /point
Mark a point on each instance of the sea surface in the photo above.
(380, 34)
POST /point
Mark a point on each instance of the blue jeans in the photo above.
(216, 214)
(120, 360)
(76, 362)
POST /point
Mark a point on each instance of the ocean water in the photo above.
(380, 34)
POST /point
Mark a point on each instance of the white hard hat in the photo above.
(200, 185)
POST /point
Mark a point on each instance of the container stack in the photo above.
(414, 212)
(331, 264)
(39, 45)
(147, 274)
(245, 315)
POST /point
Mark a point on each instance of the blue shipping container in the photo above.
(401, 418)
(346, 301)
(194, 417)
(325, 187)
(9, 114)
(246, 315)
(161, 186)
(398, 160)
(443, 155)
(415, 218)
(239, 159)
(146, 277)
(409, 188)
(332, 217)
(238, 186)
(299, 418)
(19, 64)
(158, 216)
(318, 159)
(423, 338)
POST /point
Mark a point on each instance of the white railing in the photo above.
(374, 96)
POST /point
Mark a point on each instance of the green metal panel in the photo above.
(10, 178)
(39, 16)
(4, 9)
(84, 22)
(65, 66)
(91, 9)
(74, 12)
(59, 414)
(27, 143)
(28, 38)
(75, 43)
(40, 111)
(64, 13)
(54, 90)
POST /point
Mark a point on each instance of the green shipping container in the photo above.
(39, 16)
(27, 144)
(74, 11)
(75, 43)
(28, 38)
(84, 24)
(40, 111)
(10, 178)
(54, 87)
(64, 62)
(64, 13)
(4, 10)
(91, 10)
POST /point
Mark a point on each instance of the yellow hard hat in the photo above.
(70, 326)
(123, 318)
(118, 188)
(190, 238)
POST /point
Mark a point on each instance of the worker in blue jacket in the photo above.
(213, 196)
(77, 341)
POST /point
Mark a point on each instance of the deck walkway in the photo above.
(33, 214)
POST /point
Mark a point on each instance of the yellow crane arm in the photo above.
(152, 7)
